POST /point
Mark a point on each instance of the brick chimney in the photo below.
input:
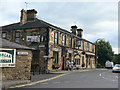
(74, 29)
(79, 33)
(23, 17)
(31, 14)
(28, 15)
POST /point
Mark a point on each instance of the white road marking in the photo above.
(116, 76)
(101, 75)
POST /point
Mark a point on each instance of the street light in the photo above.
(96, 50)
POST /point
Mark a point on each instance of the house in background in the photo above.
(53, 45)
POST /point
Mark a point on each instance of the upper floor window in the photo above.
(63, 40)
(74, 43)
(78, 44)
(82, 45)
(4, 35)
(92, 48)
(70, 42)
(56, 38)
(17, 36)
(88, 47)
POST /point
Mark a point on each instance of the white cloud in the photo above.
(98, 20)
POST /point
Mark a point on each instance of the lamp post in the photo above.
(96, 51)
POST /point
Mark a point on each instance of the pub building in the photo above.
(53, 46)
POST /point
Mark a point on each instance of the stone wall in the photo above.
(22, 68)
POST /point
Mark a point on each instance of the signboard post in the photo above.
(7, 57)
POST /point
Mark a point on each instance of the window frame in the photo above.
(70, 41)
(5, 34)
(63, 39)
(55, 38)
(17, 37)
(83, 45)
(88, 46)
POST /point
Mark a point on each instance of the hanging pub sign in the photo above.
(52, 34)
(7, 57)
(56, 49)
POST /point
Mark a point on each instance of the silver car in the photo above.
(116, 68)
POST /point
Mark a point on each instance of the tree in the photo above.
(104, 52)
(116, 58)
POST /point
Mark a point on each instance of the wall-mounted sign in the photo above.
(22, 53)
(51, 42)
(7, 57)
(41, 45)
(33, 39)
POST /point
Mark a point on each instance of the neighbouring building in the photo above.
(53, 45)
(15, 61)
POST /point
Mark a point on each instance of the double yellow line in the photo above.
(33, 83)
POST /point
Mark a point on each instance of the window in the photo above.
(70, 56)
(74, 43)
(89, 60)
(77, 61)
(92, 48)
(17, 37)
(70, 42)
(88, 47)
(78, 44)
(83, 60)
(55, 55)
(63, 40)
(4, 35)
(56, 38)
(82, 45)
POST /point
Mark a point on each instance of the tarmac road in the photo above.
(100, 78)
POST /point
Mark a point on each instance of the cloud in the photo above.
(97, 19)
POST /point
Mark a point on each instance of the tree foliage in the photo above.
(104, 52)
(116, 58)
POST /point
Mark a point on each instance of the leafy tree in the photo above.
(116, 58)
(104, 52)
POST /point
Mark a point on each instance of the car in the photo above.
(109, 65)
(116, 68)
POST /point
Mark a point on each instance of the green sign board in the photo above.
(7, 57)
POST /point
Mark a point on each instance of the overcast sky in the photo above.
(97, 19)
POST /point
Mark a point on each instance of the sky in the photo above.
(99, 20)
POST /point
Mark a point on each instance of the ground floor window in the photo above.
(70, 56)
(83, 64)
(56, 55)
(77, 61)
(89, 60)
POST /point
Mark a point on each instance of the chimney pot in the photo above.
(74, 29)
(79, 33)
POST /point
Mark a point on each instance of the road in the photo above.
(88, 79)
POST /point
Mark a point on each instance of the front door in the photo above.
(63, 63)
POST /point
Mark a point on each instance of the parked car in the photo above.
(116, 68)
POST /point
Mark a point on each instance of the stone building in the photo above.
(23, 56)
(53, 45)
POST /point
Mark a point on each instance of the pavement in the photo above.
(38, 78)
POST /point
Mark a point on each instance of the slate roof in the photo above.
(7, 44)
(37, 23)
